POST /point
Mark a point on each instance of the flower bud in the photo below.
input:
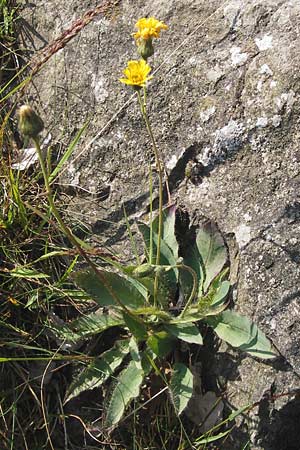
(30, 124)
(145, 48)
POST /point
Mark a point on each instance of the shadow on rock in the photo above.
(279, 429)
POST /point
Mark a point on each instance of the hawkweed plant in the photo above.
(170, 295)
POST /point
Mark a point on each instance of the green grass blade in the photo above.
(68, 152)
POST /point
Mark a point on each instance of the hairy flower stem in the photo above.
(69, 233)
(160, 176)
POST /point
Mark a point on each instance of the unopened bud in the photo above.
(145, 48)
(30, 124)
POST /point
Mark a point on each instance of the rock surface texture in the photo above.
(226, 97)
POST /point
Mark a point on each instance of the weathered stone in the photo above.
(227, 86)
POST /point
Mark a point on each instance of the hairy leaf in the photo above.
(95, 323)
(187, 332)
(168, 229)
(134, 350)
(186, 278)
(181, 387)
(85, 326)
(207, 257)
(122, 287)
(136, 327)
(126, 389)
(242, 333)
(161, 343)
(212, 251)
(167, 280)
(99, 370)
(146, 274)
(220, 294)
(215, 299)
(167, 256)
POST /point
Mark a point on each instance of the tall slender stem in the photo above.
(69, 233)
(160, 175)
(151, 214)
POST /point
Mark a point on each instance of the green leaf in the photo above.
(191, 259)
(22, 272)
(146, 274)
(207, 257)
(216, 296)
(181, 387)
(212, 251)
(138, 285)
(161, 343)
(136, 327)
(122, 287)
(242, 333)
(134, 350)
(220, 294)
(238, 412)
(95, 323)
(167, 256)
(85, 326)
(187, 332)
(167, 280)
(141, 276)
(147, 361)
(168, 229)
(126, 389)
(99, 370)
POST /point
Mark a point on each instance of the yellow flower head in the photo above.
(149, 28)
(136, 73)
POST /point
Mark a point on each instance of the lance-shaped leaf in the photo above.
(134, 350)
(86, 326)
(127, 388)
(167, 279)
(136, 326)
(181, 387)
(212, 251)
(218, 291)
(161, 343)
(220, 294)
(168, 229)
(99, 370)
(207, 256)
(187, 332)
(123, 288)
(167, 256)
(242, 333)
